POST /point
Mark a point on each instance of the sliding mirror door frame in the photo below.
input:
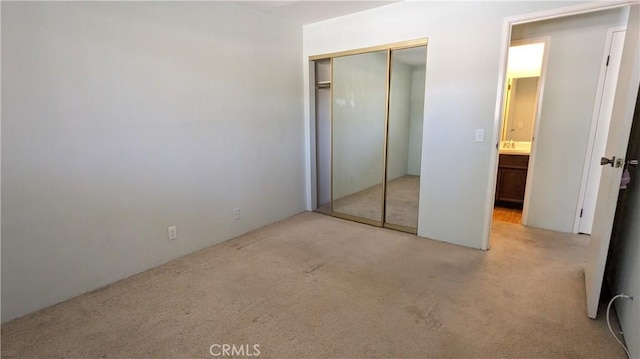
(331, 56)
(360, 91)
(403, 151)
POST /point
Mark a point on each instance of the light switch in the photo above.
(479, 135)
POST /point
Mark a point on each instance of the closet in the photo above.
(369, 109)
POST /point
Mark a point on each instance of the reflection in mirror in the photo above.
(404, 146)
(524, 68)
(359, 87)
(520, 113)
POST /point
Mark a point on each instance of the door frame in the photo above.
(593, 131)
(507, 27)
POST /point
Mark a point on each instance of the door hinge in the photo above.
(608, 57)
(582, 210)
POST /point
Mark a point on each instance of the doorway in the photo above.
(561, 133)
(624, 102)
(525, 78)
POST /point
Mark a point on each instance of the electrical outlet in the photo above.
(353, 179)
(172, 232)
(479, 135)
(236, 214)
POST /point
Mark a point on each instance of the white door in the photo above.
(617, 141)
(605, 107)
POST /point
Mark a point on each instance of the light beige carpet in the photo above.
(313, 286)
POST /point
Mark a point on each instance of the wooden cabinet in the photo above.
(512, 179)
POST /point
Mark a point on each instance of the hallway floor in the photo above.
(506, 214)
(317, 286)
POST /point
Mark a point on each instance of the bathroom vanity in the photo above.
(512, 179)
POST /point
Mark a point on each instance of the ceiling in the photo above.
(309, 11)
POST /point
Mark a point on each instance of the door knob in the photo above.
(605, 161)
(617, 162)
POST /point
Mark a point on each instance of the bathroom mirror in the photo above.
(359, 93)
(524, 68)
(404, 140)
(520, 113)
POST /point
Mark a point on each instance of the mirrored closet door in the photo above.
(404, 139)
(376, 110)
(358, 132)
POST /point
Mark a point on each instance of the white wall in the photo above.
(462, 76)
(415, 121)
(121, 119)
(399, 113)
(573, 67)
